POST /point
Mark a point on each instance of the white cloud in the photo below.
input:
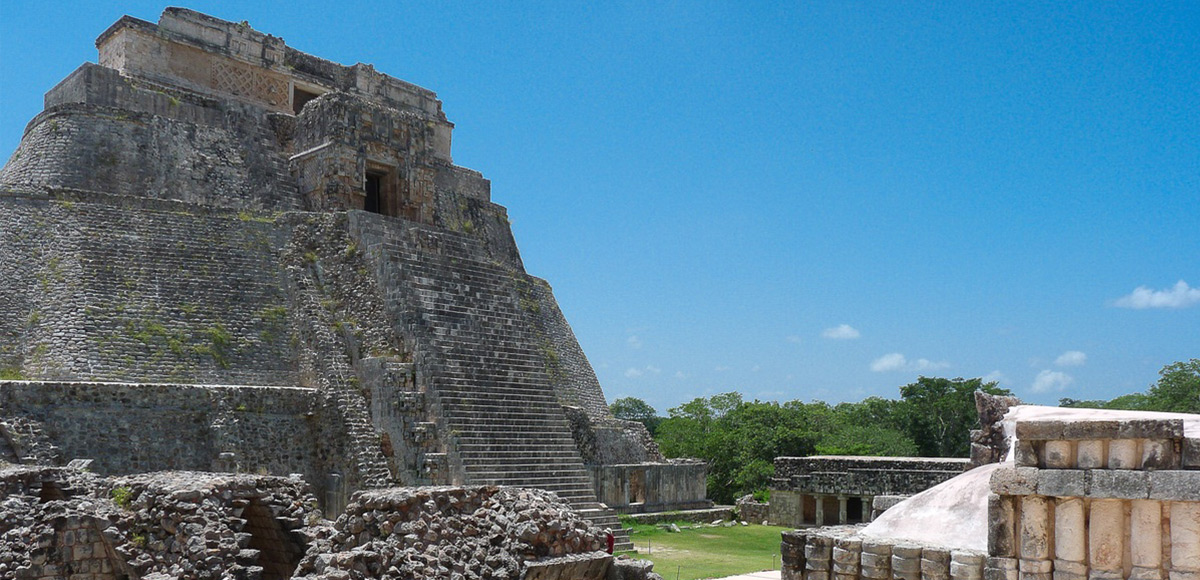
(721, 369)
(897, 362)
(755, 369)
(1178, 296)
(680, 375)
(889, 362)
(632, 373)
(1071, 358)
(841, 332)
(795, 339)
(634, 341)
(653, 369)
(1048, 380)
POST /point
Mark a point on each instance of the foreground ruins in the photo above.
(1083, 495)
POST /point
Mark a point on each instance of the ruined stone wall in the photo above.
(1107, 499)
(652, 487)
(134, 428)
(121, 292)
(104, 132)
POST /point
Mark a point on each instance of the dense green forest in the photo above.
(932, 418)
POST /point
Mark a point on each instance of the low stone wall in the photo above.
(828, 489)
(651, 487)
(133, 428)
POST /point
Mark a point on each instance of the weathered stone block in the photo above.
(1058, 454)
(1014, 480)
(1123, 454)
(1175, 485)
(1040, 430)
(1062, 482)
(1099, 429)
(1159, 454)
(1150, 429)
(935, 564)
(996, 569)
(1191, 454)
(1001, 526)
(1025, 454)
(1119, 484)
(1092, 453)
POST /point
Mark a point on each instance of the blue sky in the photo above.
(797, 200)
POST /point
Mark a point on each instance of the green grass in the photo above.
(707, 552)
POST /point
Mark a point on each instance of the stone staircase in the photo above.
(485, 367)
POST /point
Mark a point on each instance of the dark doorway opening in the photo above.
(854, 510)
(374, 187)
(301, 97)
(277, 553)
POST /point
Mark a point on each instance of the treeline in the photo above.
(932, 418)
(741, 439)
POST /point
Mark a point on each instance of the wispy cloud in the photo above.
(1049, 380)
(841, 332)
(995, 377)
(722, 368)
(1071, 358)
(680, 375)
(634, 373)
(898, 362)
(1178, 296)
(634, 341)
(795, 339)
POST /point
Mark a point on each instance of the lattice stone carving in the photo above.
(245, 81)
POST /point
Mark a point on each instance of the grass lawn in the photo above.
(706, 552)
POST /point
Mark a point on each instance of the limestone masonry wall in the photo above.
(824, 490)
(1086, 499)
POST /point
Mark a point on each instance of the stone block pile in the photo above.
(454, 532)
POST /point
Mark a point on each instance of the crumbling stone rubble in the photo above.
(68, 523)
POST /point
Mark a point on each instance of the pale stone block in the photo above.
(1035, 569)
(1034, 530)
(1138, 573)
(1123, 454)
(1070, 530)
(1090, 453)
(906, 562)
(816, 574)
(1106, 537)
(1066, 570)
(1058, 454)
(1145, 533)
(1185, 536)
(876, 560)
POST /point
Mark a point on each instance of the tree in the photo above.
(635, 409)
(938, 414)
(1178, 388)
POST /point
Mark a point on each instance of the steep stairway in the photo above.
(485, 363)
